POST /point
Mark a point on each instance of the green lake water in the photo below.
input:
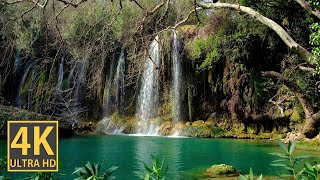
(187, 157)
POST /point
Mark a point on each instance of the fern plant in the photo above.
(92, 172)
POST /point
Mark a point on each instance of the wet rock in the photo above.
(221, 170)
(166, 128)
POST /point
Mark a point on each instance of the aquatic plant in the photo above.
(92, 171)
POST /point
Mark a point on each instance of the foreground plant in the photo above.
(41, 176)
(3, 165)
(156, 171)
(92, 172)
(250, 177)
(291, 163)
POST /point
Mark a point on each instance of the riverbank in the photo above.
(196, 129)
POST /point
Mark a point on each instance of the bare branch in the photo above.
(71, 3)
(136, 2)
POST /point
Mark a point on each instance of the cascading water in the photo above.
(59, 86)
(119, 81)
(75, 84)
(109, 88)
(78, 85)
(27, 68)
(177, 78)
(60, 77)
(149, 92)
(71, 75)
(32, 87)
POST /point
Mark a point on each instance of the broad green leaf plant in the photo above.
(290, 163)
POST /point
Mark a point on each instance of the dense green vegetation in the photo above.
(239, 74)
(249, 69)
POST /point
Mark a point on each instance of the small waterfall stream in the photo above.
(109, 88)
(25, 74)
(119, 80)
(177, 78)
(78, 98)
(116, 82)
(149, 92)
(59, 97)
(60, 77)
(75, 84)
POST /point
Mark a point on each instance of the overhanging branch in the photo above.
(286, 38)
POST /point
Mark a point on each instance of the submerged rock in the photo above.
(221, 170)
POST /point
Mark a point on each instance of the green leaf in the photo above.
(89, 168)
(242, 177)
(260, 177)
(308, 166)
(282, 145)
(292, 147)
(279, 160)
(148, 168)
(280, 155)
(251, 174)
(110, 171)
(279, 165)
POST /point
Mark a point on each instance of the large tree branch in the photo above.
(312, 119)
(306, 6)
(286, 38)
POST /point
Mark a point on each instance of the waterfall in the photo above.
(109, 88)
(149, 92)
(32, 88)
(59, 87)
(78, 98)
(71, 75)
(26, 70)
(115, 83)
(177, 78)
(119, 80)
(60, 77)
(75, 84)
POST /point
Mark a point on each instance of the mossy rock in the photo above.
(198, 123)
(221, 170)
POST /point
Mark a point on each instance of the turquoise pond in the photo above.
(187, 157)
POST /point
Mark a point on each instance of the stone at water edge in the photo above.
(221, 170)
